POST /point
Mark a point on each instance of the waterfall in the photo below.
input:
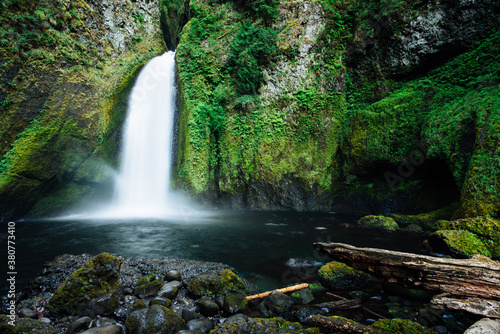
(142, 182)
(142, 185)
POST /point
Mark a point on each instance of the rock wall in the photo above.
(362, 107)
(66, 69)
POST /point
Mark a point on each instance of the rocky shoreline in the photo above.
(110, 294)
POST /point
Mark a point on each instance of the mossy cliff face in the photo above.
(353, 106)
(66, 68)
(261, 105)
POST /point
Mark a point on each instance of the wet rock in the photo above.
(400, 326)
(276, 304)
(302, 297)
(25, 325)
(103, 322)
(131, 304)
(173, 275)
(203, 325)
(379, 222)
(104, 330)
(27, 313)
(210, 283)
(237, 317)
(188, 331)
(413, 228)
(234, 303)
(208, 307)
(339, 276)
(304, 313)
(259, 325)
(79, 325)
(104, 305)
(169, 290)
(458, 242)
(97, 278)
(165, 302)
(148, 286)
(155, 319)
(188, 315)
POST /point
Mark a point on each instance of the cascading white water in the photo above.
(142, 183)
(143, 180)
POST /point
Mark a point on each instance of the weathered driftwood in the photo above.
(485, 307)
(284, 290)
(343, 325)
(477, 278)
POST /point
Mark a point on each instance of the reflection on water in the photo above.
(258, 244)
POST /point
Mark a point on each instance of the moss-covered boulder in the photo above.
(379, 222)
(339, 276)
(148, 286)
(25, 325)
(460, 243)
(486, 228)
(155, 319)
(210, 283)
(235, 303)
(86, 285)
(263, 326)
(401, 326)
(427, 219)
(277, 304)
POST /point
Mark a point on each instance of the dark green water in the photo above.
(258, 244)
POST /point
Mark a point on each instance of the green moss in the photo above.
(401, 326)
(25, 325)
(339, 276)
(463, 243)
(208, 284)
(259, 325)
(379, 222)
(148, 285)
(96, 279)
(426, 219)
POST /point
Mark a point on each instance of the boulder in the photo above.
(339, 276)
(234, 303)
(276, 304)
(148, 286)
(155, 319)
(259, 325)
(203, 325)
(210, 283)
(114, 329)
(169, 290)
(379, 222)
(96, 279)
(79, 325)
(207, 306)
(25, 325)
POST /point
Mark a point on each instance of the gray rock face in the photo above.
(123, 20)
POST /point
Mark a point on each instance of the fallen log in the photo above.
(478, 277)
(284, 290)
(343, 325)
(485, 307)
